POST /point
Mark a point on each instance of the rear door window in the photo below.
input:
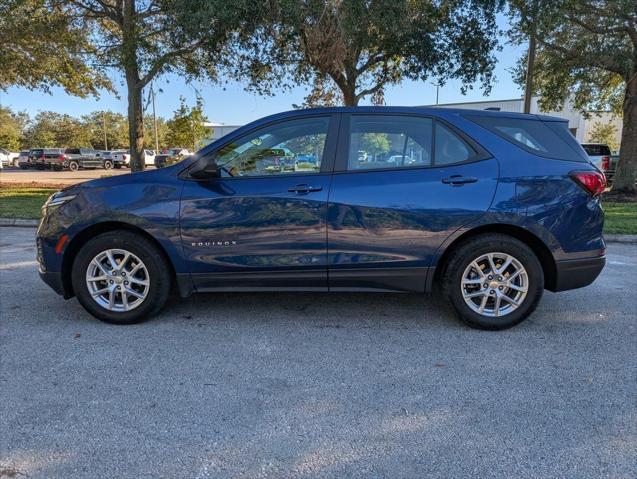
(389, 141)
(548, 139)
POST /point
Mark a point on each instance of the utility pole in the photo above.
(104, 128)
(152, 95)
(437, 91)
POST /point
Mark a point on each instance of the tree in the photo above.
(113, 124)
(162, 132)
(604, 133)
(42, 47)
(12, 128)
(82, 40)
(587, 52)
(186, 128)
(50, 129)
(362, 45)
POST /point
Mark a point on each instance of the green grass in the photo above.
(23, 202)
(621, 218)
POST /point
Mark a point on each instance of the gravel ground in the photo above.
(311, 385)
(16, 175)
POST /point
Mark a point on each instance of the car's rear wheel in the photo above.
(120, 277)
(74, 165)
(108, 164)
(493, 281)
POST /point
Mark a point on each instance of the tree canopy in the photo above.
(587, 52)
(186, 128)
(43, 46)
(359, 46)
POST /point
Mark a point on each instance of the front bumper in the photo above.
(54, 280)
(577, 273)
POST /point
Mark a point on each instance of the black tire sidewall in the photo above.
(476, 247)
(108, 165)
(74, 166)
(152, 258)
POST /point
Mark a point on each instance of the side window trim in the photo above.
(344, 135)
(329, 151)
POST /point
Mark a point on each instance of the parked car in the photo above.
(23, 160)
(499, 207)
(110, 159)
(169, 155)
(76, 158)
(124, 156)
(609, 167)
(599, 154)
(42, 158)
(8, 158)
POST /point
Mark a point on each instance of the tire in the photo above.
(108, 164)
(74, 165)
(154, 271)
(459, 267)
(118, 167)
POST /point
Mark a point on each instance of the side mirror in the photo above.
(205, 169)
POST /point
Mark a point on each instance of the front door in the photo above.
(262, 224)
(402, 185)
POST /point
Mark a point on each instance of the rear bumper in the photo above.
(572, 274)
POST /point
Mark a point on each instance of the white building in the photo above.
(580, 126)
(218, 130)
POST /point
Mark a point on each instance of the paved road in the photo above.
(309, 385)
(14, 175)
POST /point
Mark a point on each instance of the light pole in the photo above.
(104, 129)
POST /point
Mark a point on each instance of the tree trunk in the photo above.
(131, 68)
(349, 95)
(135, 126)
(626, 171)
(530, 65)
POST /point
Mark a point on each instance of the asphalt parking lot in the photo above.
(16, 175)
(311, 385)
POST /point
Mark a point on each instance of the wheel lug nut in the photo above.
(485, 285)
(125, 282)
(492, 291)
(501, 288)
(111, 281)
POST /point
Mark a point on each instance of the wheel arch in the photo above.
(92, 231)
(540, 249)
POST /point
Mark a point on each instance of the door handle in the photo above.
(302, 189)
(459, 180)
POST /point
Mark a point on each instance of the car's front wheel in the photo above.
(493, 281)
(120, 277)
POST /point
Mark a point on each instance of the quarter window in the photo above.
(294, 146)
(449, 148)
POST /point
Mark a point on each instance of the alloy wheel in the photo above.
(494, 284)
(117, 280)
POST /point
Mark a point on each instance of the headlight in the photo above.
(57, 199)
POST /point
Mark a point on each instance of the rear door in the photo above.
(262, 225)
(402, 185)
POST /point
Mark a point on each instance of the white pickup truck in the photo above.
(124, 157)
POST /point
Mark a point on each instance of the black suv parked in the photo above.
(42, 158)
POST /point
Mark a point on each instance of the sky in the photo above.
(232, 105)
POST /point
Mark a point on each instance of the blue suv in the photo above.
(490, 208)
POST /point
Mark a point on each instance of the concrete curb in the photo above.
(625, 239)
(19, 222)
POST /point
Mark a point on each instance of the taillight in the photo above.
(593, 182)
(605, 163)
(124, 157)
(61, 158)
